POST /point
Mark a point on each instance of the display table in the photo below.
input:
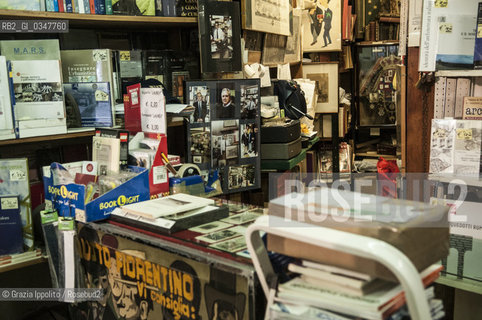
(152, 276)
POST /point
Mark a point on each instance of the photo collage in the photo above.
(223, 131)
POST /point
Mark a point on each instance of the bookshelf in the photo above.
(101, 21)
(459, 73)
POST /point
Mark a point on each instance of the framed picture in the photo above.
(321, 24)
(270, 16)
(293, 42)
(223, 135)
(274, 49)
(219, 36)
(326, 77)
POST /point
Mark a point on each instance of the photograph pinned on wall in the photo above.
(326, 77)
(225, 101)
(293, 43)
(321, 23)
(249, 140)
(219, 36)
(241, 176)
(249, 101)
(225, 137)
(199, 98)
(178, 78)
(200, 145)
(270, 16)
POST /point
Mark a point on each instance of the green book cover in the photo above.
(108, 7)
(47, 49)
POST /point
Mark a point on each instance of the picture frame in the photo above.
(214, 142)
(321, 24)
(293, 42)
(274, 48)
(269, 16)
(219, 36)
(326, 77)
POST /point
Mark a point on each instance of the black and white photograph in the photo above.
(249, 140)
(225, 137)
(210, 227)
(243, 217)
(225, 101)
(199, 99)
(241, 176)
(200, 145)
(221, 235)
(221, 37)
(38, 92)
(231, 245)
(249, 101)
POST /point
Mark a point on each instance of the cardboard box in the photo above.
(69, 199)
(419, 230)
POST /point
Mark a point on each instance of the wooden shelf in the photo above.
(101, 21)
(70, 135)
(459, 73)
(462, 284)
(23, 264)
(378, 43)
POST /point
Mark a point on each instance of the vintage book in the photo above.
(155, 64)
(478, 39)
(123, 136)
(134, 7)
(11, 239)
(129, 68)
(231, 245)
(219, 36)
(93, 101)
(161, 207)
(376, 305)
(7, 128)
(450, 95)
(30, 5)
(30, 49)
(132, 109)
(14, 180)
(38, 90)
(463, 90)
(472, 108)
(89, 66)
(99, 6)
(177, 84)
(222, 235)
(210, 227)
(186, 8)
(159, 7)
(108, 7)
(175, 222)
(106, 151)
(439, 99)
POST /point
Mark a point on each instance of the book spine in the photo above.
(92, 6)
(450, 97)
(81, 5)
(86, 6)
(68, 6)
(43, 5)
(478, 40)
(159, 7)
(108, 7)
(75, 6)
(56, 5)
(12, 97)
(49, 5)
(61, 5)
(99, 7)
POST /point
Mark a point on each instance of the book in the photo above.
(178, 79)
(186, 8)
(30, 49)
(376, 305)
(134, 8)
(219, 36)
(472, 108)
(7, 129)
(49, 5)
(91, 66)
(155, 65)
(172, 223)
(129, 68)
(478, 39)
(68, 6)
(38, 91)
(11, 239)
(106, 151)
(159, 7)
(165, 206)
(222, 235)
(99, 6)
(93, 101)
(132, 109)
(123, 136)
(14, 180)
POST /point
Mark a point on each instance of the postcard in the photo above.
(232, 245)
(211, 227)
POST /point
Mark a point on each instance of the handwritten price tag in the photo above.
(153, 110)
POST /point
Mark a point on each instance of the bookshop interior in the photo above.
(245, 159)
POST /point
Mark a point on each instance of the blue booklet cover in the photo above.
(93, 100)
(11, 239)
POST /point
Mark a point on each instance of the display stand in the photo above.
(358, 245)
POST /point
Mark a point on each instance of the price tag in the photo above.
(153, 110)
(9, 203)
(18, 175)
(159, 174)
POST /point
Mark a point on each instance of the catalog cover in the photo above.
(30, 49)
(134, 7)
(88, 66)
(456, 40)
(38, 90)
(11, 239)
(219, 36)
(467, 147)
(442, 146)
(93, 101)
(6, 120)
(14, 180)
(106, 151)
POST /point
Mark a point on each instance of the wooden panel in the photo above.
(419, 117)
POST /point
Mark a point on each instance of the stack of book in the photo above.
(345, 294)
(170, 214)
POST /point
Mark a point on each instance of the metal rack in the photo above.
(358, 245)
